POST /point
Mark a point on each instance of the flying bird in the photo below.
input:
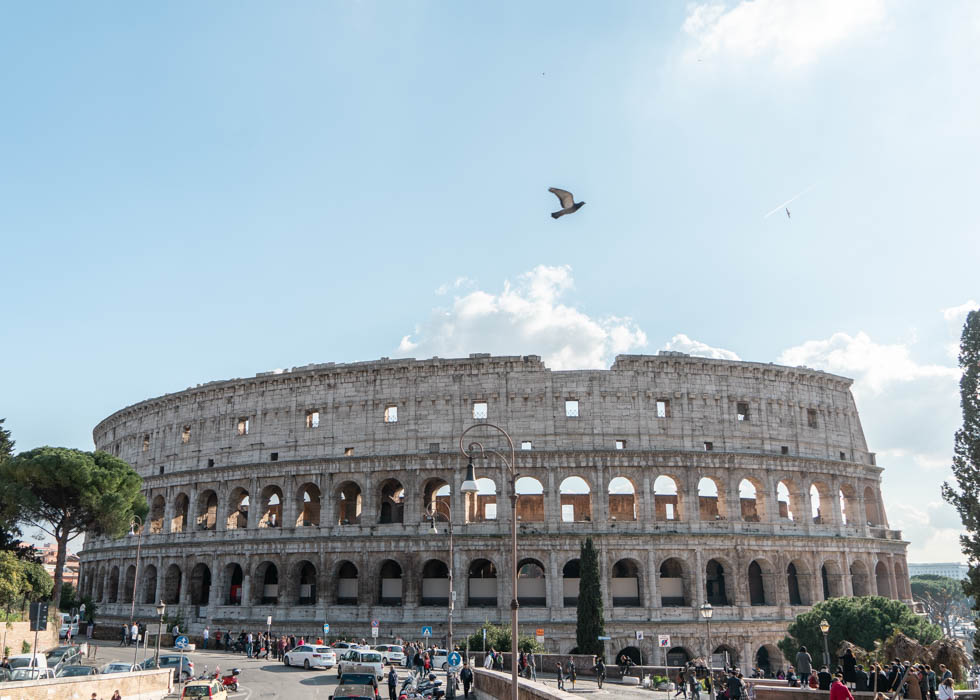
(788, 214)
(568, 203)
(785, 205)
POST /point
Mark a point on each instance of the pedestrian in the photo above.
(571, 670)
(561, 675)
(204, 637)
(134, 634)
(248, 645)
(531, 667)
(692, 682)
(839, 691)
(392, 682)
(125, 636)
(228, 640)
(734, 684)
(466, 675)
(824, 679)
(931, 682)
(681, 683)
(599, 668)
(848, 664)
(116, 695)
(804, 662)
(488, 661)
(946, 690)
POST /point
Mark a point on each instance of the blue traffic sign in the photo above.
(455, 660)
(426, 631)
(326, 628)
(181, 642)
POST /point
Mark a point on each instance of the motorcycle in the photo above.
(230, 680)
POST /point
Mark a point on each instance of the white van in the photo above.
(67, 620)
(28, 661)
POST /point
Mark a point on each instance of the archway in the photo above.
(831, 579)
(207, 510)
(622, 499)
(482, 580)
(436, 490)
(871, 506)
(678, 656)
(575, 497)
(391, 583)
(235, 578)
(149, 585)
(238, 504)
(392, 508)
(530, 504)
(757, 587)
(796, 591)
(751, 506)
(859, 578)
(784, 501)
(157, 509)
(113, 594)
(200, 584)
(626, 584)
(724, 656)
(883, 580)
(672, 593)
(266, 584)
(715, 584)
(308, 500)
(182, 505)
(571, 573)
(435, 583)
(848, 505)
(349, 504)
(482, 505)
(763, 661)
(172, 585)
(346, 584)
(666, 498)
(271, 502)
(819, 496)
(531, 585)
(711, 504)
(100, 585)
(129, 584)
(305, 574)
(632, 653)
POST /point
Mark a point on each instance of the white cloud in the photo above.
(932, 530)
(958, 313)
(681, 343)
(792, 32)
(457, 284)
(526, 317)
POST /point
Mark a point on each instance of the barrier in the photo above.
(141, 685)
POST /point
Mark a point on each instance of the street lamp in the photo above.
(825, 628)
(135, 527)
(432, 511)
(706, 612)
(161, 608)
(469, 486)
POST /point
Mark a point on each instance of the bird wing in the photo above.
(788, 214)
(564, 196)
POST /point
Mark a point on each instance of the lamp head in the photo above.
(469, 484)
(161, 607)
(433, 529)
(707, 611)
(824, 626)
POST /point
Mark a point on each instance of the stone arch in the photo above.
(303, 582)
(113, 592)
(724, 656)
(831, 579)
(575, 497)
(435, 583)
(234, 580)
(308, 502)
(530, 502)
(752, 500)
(821, 503)
(436, 490)
(786, 508)
(482, 505)
(392, 507)
(571, 574)
(265, 581)
(799, 583)
(347, 578)
(158, 507)
(626, 584)
(182, 506)
(622, 498)
(759, 572)
(673, 587)
(532, 588)
(718, 583)
(634, 655)
(100, 587)
(871, 507)
(769, 659)
(172, 582)
(666, 498)
(270, 504)
(711, 499)
(847, 496)
(859, 578)
(129, 584)
(482, 584)
(902, 581)
(148, 591)
(238, 505)
(207, 510)
(677, 656)
(200, 584)
(348, 503)
(883, 582)
(391, 591)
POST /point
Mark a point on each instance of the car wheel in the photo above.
(306, 664)
(445, 666)
(285, 660)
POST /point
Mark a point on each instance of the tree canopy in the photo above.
(589, 614)
(498, 639)
(22, 581)
(863, 621)
(943, 598)
(67, 492)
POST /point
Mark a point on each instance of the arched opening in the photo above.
(129, 584)
(306, 578)
(200, 584)
(632, 653)
(482, 584)
(767, 658)
(622, 499)
(157, 508)
(271, 500)
(666, 500)
(100, 587)
(392, 508)
(830, 575)
(724, 656)
(182, 505)
(349, 504)
(672, 593)
(531, 586)
(871, 506)
(575, 497)
(757, 587)
(207, 510)
(530, 502)
(848, 505)
(902, 582)
(750, 501)
(148, 595)
(793, 585)
(238, 509)
(114, 585)
(482, 505)
(678, 656)
(859, 578)
(434, 491)
(883, 580)
(346, 584)
(266, 584)
(435, 583)
(308, 501)
(391, 583)
(570, 575)
(626, 584)
(783, 499)
(710, 502)
(235, 578)
(818, 495)
(172, 585)
(715, 584)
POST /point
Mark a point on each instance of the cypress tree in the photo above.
(966, 457)
(590, 622)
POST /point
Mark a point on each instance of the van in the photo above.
(66, 622)
(28, 661)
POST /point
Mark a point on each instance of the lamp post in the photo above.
(470, 482)
(135, 527)
(706, 612)
(161, 608)
(825, 628)
(433, 512)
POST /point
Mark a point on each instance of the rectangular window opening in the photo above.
(568, 513)
(243, 426)
(571, 408)
(525, 444)
(670, 511)
(312, 419)
(274, 457)
(185, 435)
(479, 410)
(391, 414)
(743, 410)
(434, 448)
(784, 450)
(161, 469)
(663, 408)
(146, 442)
(620, 444)
(348, 452)
(210, 463)
(811, 418)
(709, 446)
(843, 456)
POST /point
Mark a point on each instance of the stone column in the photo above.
(652, 593)
(692, 504)
(645, 509)
(290, 504)
(605, 582)
(733, 500)
(254, 503)
(698, 594)
(600, 499)
(846, 584)
(221, 512)
(896, 594)
(771, 514)
(556, 593)
(169, 509)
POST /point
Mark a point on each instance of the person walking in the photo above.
(599, 668)
(932, 684)
(680, 683)
(561, 675)
(124, 642)
(571, 670)
(466, 675)
(392, 682)
(804, 662)
(204, 636)
(735, 685)
(848, 664)
(248, 645)
(134, 634)
(838, 690)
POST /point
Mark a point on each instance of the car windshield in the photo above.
(20, 663)
(197, 691)
(371, 658)
(75, 671)
(24, 674)
(357, 679)
(322, 650)
(396, 649)
(116, 668)
(58, 652)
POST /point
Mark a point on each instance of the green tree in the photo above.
(498, 639)
(943, 599)
(10, 536)
(69, 598)
(862, 621)
(67, 492)
(11, 581)
(37, 581)
(590, 620)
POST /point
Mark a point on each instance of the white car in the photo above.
(68, 622)
(310, 656)
(391, 653)
(28, 661)
(360, 661)
(31, 674)
(118, 667)
(440, 659)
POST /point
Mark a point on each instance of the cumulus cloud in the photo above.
(958, 314)
(682, 343)
(932, 529)
(526, 317)
(791, 32)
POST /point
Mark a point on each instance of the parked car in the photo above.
(359, 679)
(28, 661)
(355, 692)
(119, 667)
(31, 674)
(440, 659)
(343, 645)
(171, 661)
(76, 670)
(360, 661)
(310, 656)
(205, 689)
(63, 656)
(4, 675)
(391, 653)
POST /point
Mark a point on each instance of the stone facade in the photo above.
(302, 494)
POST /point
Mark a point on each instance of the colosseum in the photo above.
(304, 495)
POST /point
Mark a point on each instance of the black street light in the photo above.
(135, 528)
(706, 612)
(161, 608)
(825, 628)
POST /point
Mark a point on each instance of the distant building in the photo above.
(48, 554)
(953, 570)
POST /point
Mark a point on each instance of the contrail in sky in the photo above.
(789, 201)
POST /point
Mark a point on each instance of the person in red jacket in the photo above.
(839, 691)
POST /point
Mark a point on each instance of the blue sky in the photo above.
(194, 191)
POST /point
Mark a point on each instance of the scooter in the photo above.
(230, 680)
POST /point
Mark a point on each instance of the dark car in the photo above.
(172, 661)
(63, 656)
(74, 670)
